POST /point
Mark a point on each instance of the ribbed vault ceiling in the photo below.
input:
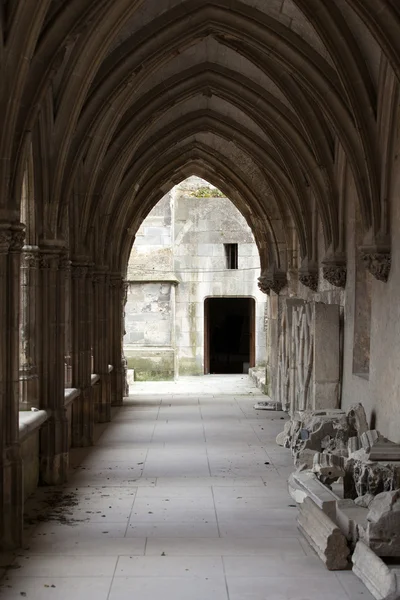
(266, 99)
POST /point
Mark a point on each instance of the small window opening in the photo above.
(231, 254)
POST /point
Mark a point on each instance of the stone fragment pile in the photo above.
(347, 486)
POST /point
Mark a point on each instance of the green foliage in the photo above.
(206, 192)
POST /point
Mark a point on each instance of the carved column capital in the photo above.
(116, 280)
(79, 271)
(5, 238)
(309, 278)
(65, 262)
(274, 280)
(335, 272)
(264, 284)
(99, 275)
(48, 260)
(17, 237)
(378, 263)
(30, 257)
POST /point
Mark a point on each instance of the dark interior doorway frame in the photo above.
(207, 326)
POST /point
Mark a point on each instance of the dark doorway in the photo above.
(229, 335)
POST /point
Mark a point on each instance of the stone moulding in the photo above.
(382, 581)
(377, 263)
(335, 274)
(323, 535)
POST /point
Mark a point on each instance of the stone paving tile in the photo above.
(184, 497)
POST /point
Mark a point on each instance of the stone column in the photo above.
(81, 310)
(29, 319)
(101, 349)
(54, 448)
(68, 333)
(116, 324)
(11, 484)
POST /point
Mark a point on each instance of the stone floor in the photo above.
(182, 498)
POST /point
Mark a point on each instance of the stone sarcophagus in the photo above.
(309, 356)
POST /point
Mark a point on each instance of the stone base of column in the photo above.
(54, 451)
(103, 400)
(83, 419)
(12, 501)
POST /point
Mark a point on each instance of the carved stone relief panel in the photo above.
(308, 356)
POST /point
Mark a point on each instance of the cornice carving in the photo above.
(377, 263)
(335, 274)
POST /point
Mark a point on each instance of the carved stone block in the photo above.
(323, 535)
(382, 581)
(367, 477)
(357, 418)
(328, 467)
(382, 531)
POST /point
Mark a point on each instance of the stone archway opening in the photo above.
(195, 244)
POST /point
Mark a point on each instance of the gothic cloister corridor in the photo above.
(290, 110)
(183, 497)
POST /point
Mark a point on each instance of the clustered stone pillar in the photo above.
(28, 368)
(100, 344)
(81, 343)
(116, 325)
(11, 486)
(54, 433)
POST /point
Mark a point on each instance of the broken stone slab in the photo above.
(384, 449)
(328, 467)
(268, 405)
(305, 459)
(305, 484)
(357, 419)
(382, 581)
(364, 501)
(350, 518)
(382, 529)
(371, 445)
(323, 535)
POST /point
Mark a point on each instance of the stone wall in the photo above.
(370, 321)
(379, 389)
